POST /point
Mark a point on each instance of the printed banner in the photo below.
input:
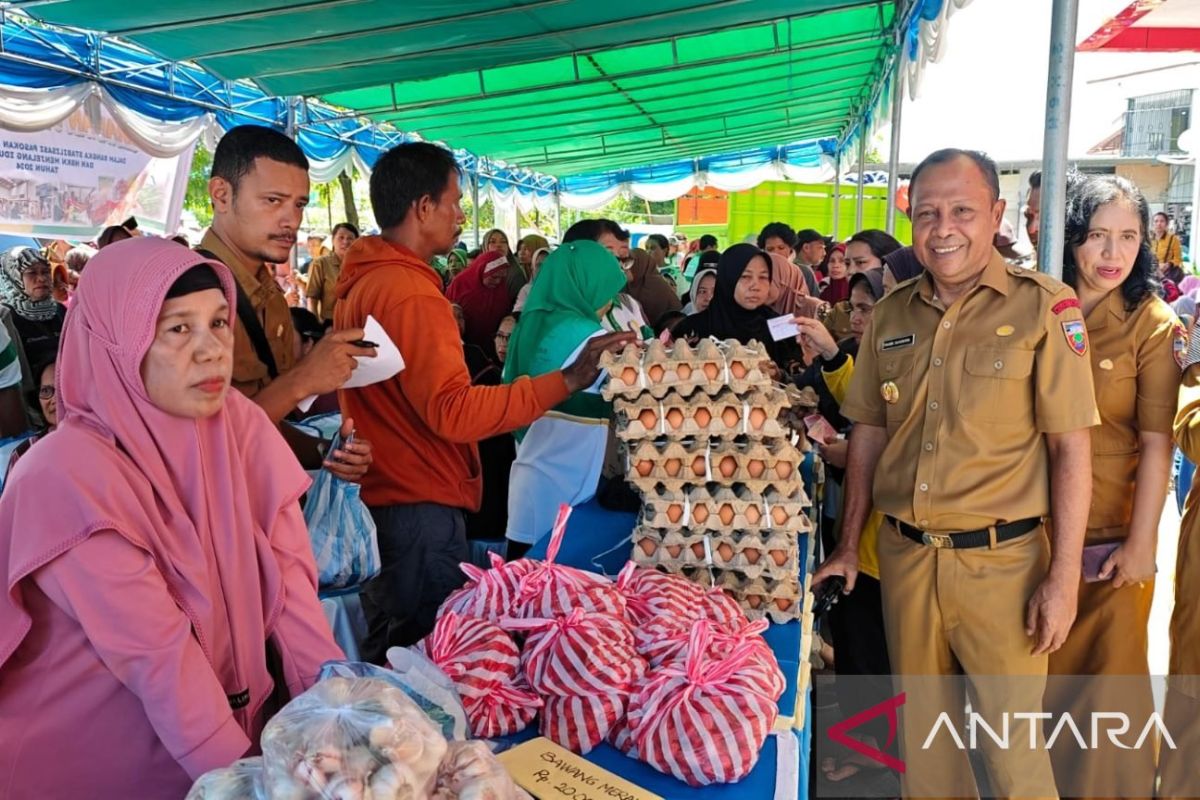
(83, 174)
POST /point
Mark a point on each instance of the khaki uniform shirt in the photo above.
(322, 280)
(1135, 360)
(1167, 249)
(249, 374)
(974, 388)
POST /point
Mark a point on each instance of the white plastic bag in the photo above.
(344, 541)
(417, 677)
(241, 780)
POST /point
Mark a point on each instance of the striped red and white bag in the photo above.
(551, 590)
(483, 661)
(720, 607)
(704, 720)
(489, 593)
(580, 723)
(581, 653)
(649, 593)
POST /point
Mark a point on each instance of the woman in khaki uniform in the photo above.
(1136, 350)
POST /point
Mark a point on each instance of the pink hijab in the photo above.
(200, 496)
(787, 282)
(483, 306)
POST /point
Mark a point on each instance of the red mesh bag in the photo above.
(482, 660)
(720, 607)
(489, 593)
(649, 593)
(703, 720)
(551, 590)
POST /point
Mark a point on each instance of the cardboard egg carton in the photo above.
(753, 554)
(710, 367)
(777, 600)
(758, 466)
(726, 509)
(755, 415)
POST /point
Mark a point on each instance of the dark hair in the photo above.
(178, 238)
(948, 154)
(306, 324)
(347, 226)
(197, 279)
(707, 240)
(880, 242)
(808, 236)
(623, 234)
(1035, 179)
(113, 233)
(405, 174)
(709, 257)
(662, 240)
(1085, 196)
(668, 321)
(1162, 214)
(592, 230)
(77, 258)
(241, 146)
(777, 230)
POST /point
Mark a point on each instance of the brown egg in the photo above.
(674, 550)
(783, 604)
(783, 469)
(753, 600)
(629, 376)
(725, 551)
(672, 466)
(674, 417)
(779, 514)
(644, 468)
(698, 465)
(755, 467)
(703, 417)
(649, 547)
(725, 512)
(780, 557)
(728, 466)
(737, 369)
(700, 514)
(648, 418)
(751, 554)
(684, 371)
(753, 515)
(711, 372)
(698, 549)
(730, 417)
(655, 372)
(674, 512)
(758, 418)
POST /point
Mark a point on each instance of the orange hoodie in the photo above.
(424, 423)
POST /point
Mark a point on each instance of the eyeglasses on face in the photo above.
(503, 337)
(35, 273)
(46, 392)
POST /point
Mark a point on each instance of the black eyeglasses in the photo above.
(35, 273)
(503, 337)
(45, 392)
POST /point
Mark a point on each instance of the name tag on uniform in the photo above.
(896, 342)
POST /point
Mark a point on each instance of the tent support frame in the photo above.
(1063, 21)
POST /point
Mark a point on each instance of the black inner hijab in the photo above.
(196, 279)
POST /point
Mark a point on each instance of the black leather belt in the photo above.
(967, 539)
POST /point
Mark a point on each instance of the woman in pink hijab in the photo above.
(787, 286)
(160, 608)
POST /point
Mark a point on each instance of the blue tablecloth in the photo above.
(599, 540)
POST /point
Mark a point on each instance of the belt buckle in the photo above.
(938, 540)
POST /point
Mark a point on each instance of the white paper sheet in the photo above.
(387, 363)
(783, 327)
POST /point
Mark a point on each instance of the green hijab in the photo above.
(573, 284)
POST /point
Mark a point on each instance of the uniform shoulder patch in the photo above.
(1064, 304)
(1076, 336)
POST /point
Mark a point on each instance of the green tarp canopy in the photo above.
(557, 86)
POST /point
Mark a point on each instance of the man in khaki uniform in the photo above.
(972, 397)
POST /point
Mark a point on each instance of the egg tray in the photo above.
(727, 509)
(710, 367)
(758, 466)
(755, 415)
(773, 555)
(780, 601)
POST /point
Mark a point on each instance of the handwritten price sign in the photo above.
(550, 772)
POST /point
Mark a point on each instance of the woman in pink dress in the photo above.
(160, 589)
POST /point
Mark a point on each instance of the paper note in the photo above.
(387, 362)
(783, 327)
(550, 772)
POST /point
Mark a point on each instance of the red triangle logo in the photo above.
(839, 731)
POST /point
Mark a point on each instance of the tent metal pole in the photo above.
(837, 195)
(1063, 22)
(558, 214)
(1194, 230)
(862, 168)
(475, 204)
(893, 184)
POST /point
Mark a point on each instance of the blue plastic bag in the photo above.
(342, 532)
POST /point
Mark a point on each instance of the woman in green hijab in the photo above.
(559, 456)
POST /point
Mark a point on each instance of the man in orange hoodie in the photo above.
(425, 422)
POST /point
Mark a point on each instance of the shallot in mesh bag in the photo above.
(489, 593)
(551, 590)
(470, 772)
(649, 593)
(482, 660)
(351, 738)
(703, 720)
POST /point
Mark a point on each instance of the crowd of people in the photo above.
(990, 425)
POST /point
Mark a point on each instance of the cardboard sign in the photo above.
(550, 772)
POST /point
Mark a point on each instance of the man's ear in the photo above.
(998, 213)
(220, 191)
